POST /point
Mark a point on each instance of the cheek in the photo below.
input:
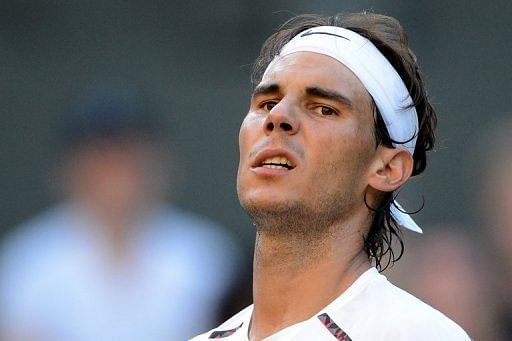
(345, 153)
(246, 138)
(249, 129)
(243, 136)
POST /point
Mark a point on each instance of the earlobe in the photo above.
(392, 167)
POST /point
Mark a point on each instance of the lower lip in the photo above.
(271, 171)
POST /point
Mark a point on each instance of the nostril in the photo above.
(286, 126)
(270, 126)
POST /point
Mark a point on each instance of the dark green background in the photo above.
(194, 58)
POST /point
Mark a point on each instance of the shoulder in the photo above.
(32, 255)
(395, 314)
(236, 326)
(186, 226)
(38, 235)
(192, 236)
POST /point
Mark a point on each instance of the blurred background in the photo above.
(70, 67)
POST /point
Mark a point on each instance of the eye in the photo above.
(269, 105)
(325, 111)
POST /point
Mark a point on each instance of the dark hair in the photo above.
(109, 110)
(389, 37)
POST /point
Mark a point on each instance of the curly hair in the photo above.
(389, 37)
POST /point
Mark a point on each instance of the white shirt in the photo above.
(370, 309)
(55, 280)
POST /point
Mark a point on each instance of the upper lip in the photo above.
(269, 153)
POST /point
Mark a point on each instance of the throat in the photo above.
(303, 261)
(280, 282)
(289, 270)
(292, 251)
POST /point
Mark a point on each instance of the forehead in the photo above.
(306, 69)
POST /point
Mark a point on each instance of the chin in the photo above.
(283, 217)
(263, 198)
(269, 205)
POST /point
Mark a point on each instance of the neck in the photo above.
(312, 270)
(116, 228)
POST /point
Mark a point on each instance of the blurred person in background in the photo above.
(442, 268)
(494, 207)
(112, 261)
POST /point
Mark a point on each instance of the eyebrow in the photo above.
(266, 89)
(330, 95)
(315, 91)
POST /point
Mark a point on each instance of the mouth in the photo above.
(277, 162)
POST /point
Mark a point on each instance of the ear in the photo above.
(391, 168)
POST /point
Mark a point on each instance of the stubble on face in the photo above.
(335, 156)
(301, 219)
(295, 234)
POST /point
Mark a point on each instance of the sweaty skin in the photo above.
(315, 115)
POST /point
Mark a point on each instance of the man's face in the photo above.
(307, 141)
(112, 175)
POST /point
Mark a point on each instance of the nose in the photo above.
(282, 119)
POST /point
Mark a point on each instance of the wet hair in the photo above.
(389, 37)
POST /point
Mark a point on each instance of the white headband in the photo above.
(378, 77)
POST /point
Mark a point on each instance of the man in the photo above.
(493, 163)
(113, 260)
(339, 120)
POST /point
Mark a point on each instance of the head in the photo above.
(112, 163)
(312, 111)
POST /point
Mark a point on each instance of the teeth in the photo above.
(277, 160)
(273, 166)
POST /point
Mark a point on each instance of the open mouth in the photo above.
(276, 162)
